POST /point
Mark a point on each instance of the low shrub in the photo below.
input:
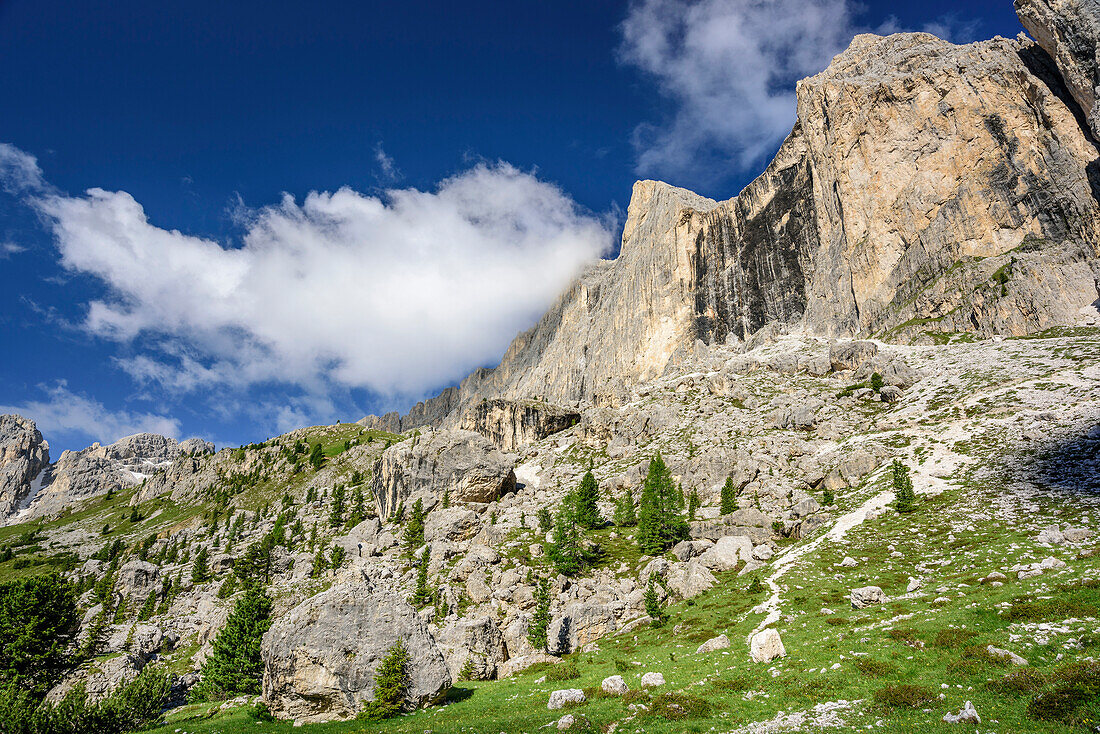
(677, 706)
(1021, 681)
(875, 668)
(904, 696)
(564, 671)
(953, 638)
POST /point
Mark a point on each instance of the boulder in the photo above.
(652, 680)
(850, 355)
(523, 662)
(690, 579)
(579, 624)
(558, 699)
(137, 579)
(614, 685)
(766, 645)
(1077, 535)
(727, 553)
(890, 393)
(866, 596)
(1006, 655)
(1051, 536)
(720, 642)
(464, 463)
(320, 658)
(513, 424)
(474, 639)
(452, 524)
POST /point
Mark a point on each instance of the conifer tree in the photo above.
(200, 571)
(336, 513)
(585, 497)
(653, 605)
(904, 498)
(625, 515)
(446, 501)
(148, 608)
(567, 552)
(320, 563)
(391, 685)
(540, 621)
(234, 666)
(729, 497)
(357, 509)
(827, 497)
(316, 457)
(422, 595)
(414, 530)
(693, 503)
(661, 523)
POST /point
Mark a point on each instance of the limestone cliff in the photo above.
(23, 457)
(925, 188)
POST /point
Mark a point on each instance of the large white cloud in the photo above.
(398, 293)
(729, 68)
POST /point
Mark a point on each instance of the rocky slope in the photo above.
(926, 187)
(913, 278)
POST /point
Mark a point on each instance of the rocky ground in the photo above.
(1000, 435)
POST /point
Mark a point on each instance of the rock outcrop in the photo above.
(23, 457)
(321, 657)
(925, 188)
(513, 424)
(1069, 30)
(461, 462)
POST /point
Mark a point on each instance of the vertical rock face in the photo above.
(511, 424)
(320, 658)
(926, 187)
(461, 462)
(1069, 30)
(23, 457)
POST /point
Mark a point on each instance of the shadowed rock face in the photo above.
(926, 187)
(511, 424)
(1069, 30)
(23, 456)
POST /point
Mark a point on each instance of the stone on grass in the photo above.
(652, 680)
(968, 715)
(1051, 536)
(848, 562)
(766, 645)
(566, 722)
(1006, 655)
(564, 696)
(913, 585)
(866, 596)
(715, 643)
(615, 685)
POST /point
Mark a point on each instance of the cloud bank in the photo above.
(65, 412)
(729, 69)
(398, 293)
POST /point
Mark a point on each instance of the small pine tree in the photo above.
(693, 503)
(653, 604)
(625, 514)
(545, 519)
(567, 552)
(446, 501)
(148, 608)
(414, 530)
(337, 556)
(422, 595)
(729, 497)
(755, 586)
(200, 571)
(661, 523)
(135, 516)
(585, 498)
(540, 621)
(336, 512)
(357, 509)
(228, 587)
(320, 563)
(316, 457)
(876, 382)
(391, 685)
(234, 666)
(827, 497)
(904, 498)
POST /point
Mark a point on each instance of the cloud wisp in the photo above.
(71, 414)
(729, 69)
(398, 293)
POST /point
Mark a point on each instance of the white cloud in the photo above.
(7, 249)
(386, 164)
(398, 294)
(729, 67)
(19, 171)
(67, 413)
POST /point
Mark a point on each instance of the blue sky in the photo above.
(232, 219)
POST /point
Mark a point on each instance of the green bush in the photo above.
(565, 671)
(904, 696)
(38, 618)
(234, 666)
(391, 685)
